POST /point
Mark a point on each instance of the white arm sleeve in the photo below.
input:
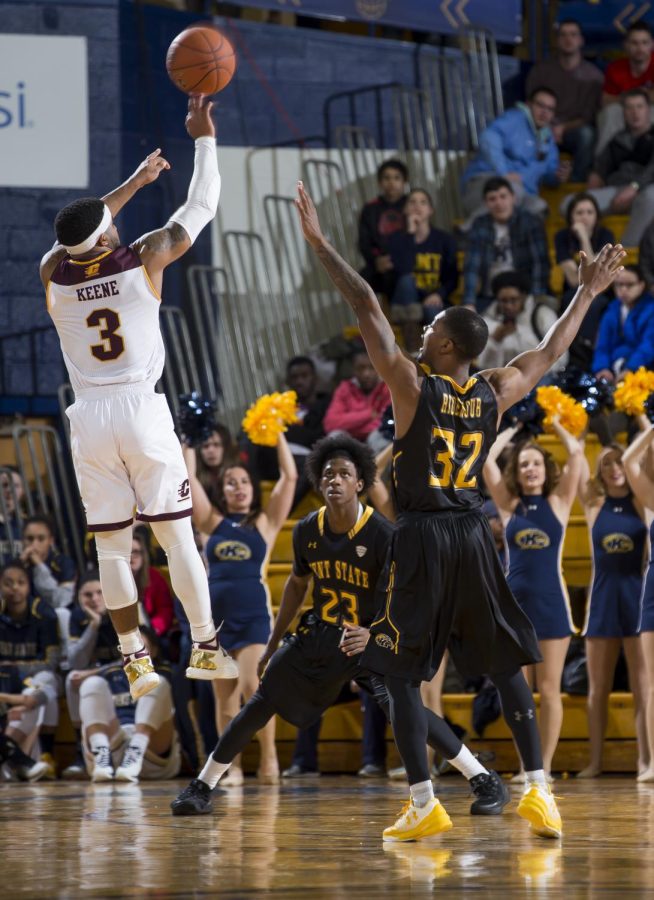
(204, 190)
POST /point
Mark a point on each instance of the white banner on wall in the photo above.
(44, 133)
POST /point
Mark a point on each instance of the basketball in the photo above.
(201, 60)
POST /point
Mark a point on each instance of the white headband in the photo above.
(92, 239)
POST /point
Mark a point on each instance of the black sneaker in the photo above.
(194, 800)
(491, 793)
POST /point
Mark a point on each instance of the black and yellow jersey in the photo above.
(345, 567)
(438, 462)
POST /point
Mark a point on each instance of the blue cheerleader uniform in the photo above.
(239, 597)
(647, 617)
(618, 538)
(534, 540)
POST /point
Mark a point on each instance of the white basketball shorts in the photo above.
(127, 457)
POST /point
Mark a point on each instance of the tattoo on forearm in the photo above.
(351, 285)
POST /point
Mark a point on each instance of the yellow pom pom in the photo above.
(269, 416)
(555, 403)
(632, 392)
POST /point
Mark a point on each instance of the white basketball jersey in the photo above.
(106, 312)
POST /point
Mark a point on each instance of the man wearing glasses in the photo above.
(519, 146)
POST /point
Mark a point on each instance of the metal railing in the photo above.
(208, 291)
(41, 461)
(10, 542)
(180, 374)
(482, 73)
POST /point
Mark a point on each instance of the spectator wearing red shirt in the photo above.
(358, 404)
(154, 600)
(635, 70)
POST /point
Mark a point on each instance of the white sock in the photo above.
(536, 777)
(98, 741)
(422, 793)
(466, 764)
(212, 772)
(203, 634)
(130, 642)
(140, 741)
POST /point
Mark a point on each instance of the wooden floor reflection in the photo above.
(321, 839)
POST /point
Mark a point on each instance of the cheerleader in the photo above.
(616, 521)
(637, 460)
(534, 499)
(239, 537)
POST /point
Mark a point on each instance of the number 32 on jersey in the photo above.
(453, 463)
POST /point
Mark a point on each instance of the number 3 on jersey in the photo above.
(452, 475)
(339, 607)
(112, 344)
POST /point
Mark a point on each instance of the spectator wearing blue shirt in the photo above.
(626, 333)
(424, 261)
(518, 145)
(506, 238)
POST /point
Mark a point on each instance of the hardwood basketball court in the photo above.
(316, 839)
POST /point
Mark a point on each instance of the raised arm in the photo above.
(205, 515)
(524, 372)
(493, 479)
(147, 172)
(588, 497)
(563, 495)
(160, 248)
(633, 459)
(280, 501)
(399, 373)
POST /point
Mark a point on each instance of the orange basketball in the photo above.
(201, 60)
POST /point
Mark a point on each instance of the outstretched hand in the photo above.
(308, 216)
(599, 273)
(198, 118)
(151, 167)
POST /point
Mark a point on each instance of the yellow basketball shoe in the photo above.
(416, 822)
(538, 807)
(140, 673)
(209, 660)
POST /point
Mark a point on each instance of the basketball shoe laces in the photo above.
(132, 757)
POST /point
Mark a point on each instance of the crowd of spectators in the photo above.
(586, 133)
(577, 128)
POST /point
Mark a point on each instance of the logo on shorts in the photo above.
(92, 271)
(617, 543)
(383, 641)
(232, 551)
(361, 551)
(532, 539)
(184, 490)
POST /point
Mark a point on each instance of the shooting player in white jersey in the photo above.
(104, 301)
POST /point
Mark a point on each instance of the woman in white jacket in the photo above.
(516, 322)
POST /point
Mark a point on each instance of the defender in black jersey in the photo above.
(445, 586)
(343, 548)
